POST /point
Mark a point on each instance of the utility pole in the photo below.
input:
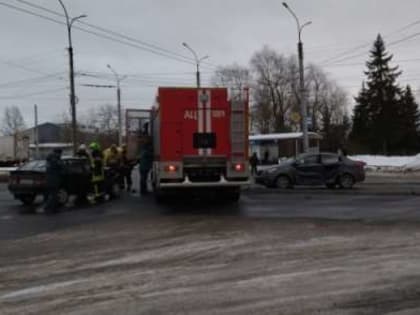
(69, 22)
(118, 79)
(197, 62)
(36, 135)
(302, 92)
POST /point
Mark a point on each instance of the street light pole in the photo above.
(118, 79)
(69, 22)
(36, 134)
(302, 97)
(197, 62)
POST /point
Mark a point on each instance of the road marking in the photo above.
(39, 289)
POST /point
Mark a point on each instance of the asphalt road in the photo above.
(303, 251)
(372, 202)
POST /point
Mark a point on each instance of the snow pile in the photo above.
(414, 165)
(389, 163)
(7, 169)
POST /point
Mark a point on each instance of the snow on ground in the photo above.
(7, 169)
(389, 163)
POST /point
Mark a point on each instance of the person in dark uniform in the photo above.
(98, 175)
(146, 163)
(54, 173)
(254, 162)
(266, 157)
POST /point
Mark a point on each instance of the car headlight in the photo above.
(271, 170)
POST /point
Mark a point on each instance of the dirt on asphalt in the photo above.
(214, 265)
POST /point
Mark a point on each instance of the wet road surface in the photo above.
(306, 251)
(318, 203)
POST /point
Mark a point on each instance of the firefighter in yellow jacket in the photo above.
(113, 161)
(112, 157)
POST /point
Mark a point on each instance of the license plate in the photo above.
(26, 181)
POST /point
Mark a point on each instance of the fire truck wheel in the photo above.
(232, 196)
(159, 197)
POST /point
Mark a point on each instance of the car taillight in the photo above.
(361, 164)
(171, 168)
(39, 181)
(239, 167)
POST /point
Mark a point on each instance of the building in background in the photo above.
(14, 148)
(45, 148)
(271, 148)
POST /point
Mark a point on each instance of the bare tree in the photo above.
(273, 85)
(317, 86)
(233, 76)
(107, 118)
(275, 95)
(101, 125)
(12, 122)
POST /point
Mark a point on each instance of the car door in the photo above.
(309, 170)
(78, 178)
(331, 164)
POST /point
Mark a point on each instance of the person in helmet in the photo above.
(112, 161)
(82, 152)
(112, 157)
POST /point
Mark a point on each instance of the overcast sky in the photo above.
(34, 62)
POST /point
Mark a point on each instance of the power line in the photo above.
(19, 66)
(150, 75)
(93, 33)
(108, 34)
(396, 42)
(105, 30)
(366, 44)
(31, 94)
(363, 63)
(33, 80)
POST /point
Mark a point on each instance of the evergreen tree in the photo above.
(359, 136)
(375, 123)
(409, 118)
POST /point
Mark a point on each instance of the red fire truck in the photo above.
(200, 141)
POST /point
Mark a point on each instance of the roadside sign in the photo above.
(295, 117)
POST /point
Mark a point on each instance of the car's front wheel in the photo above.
(63, 196)
(346, 181)
(283, 182)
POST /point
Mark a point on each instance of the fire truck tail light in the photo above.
(171, 168)
(239, 167)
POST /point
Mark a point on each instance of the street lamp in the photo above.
(197, 61)
(69, 22)
(302, 98)
(118, 79)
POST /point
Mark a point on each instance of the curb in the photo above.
(357, 191)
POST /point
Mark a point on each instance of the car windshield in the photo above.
(38, 165)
